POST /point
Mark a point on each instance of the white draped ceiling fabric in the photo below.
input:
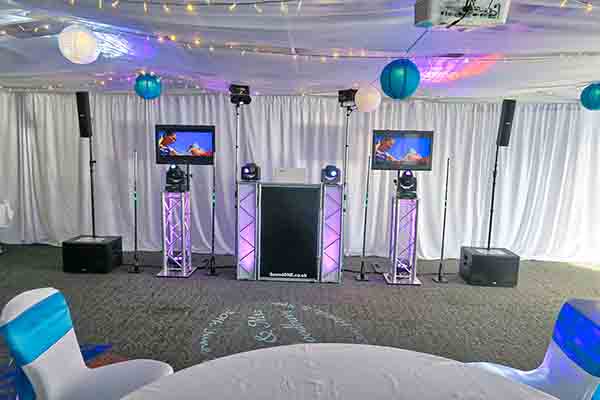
(546, 52)
(547, 205)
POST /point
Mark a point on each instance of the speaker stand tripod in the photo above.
(236, 180)
(135, 268)
(92, 164)
(363, 263)
(495, 173)
(211, 263)
(440, 278)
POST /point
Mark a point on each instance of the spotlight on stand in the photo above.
(330, 175)
(176, 180)
(407, 186)
(239, 94)
(346, 98)
(251, 172)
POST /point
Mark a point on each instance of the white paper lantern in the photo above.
(367, 98)
(78, 44)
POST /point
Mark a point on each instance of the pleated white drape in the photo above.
(546, 195)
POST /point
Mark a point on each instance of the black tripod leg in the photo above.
(212, 265)
(363, 274)
(440, 278)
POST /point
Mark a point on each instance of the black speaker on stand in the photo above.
(485, 265)
(506, 119)
(90, 253)
(85, 131)
(83, 112)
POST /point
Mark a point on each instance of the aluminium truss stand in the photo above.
(247, 227)
(177, 243)
(403, 242)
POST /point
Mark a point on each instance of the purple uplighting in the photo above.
(447, 69)
(332, 228)
(177, 250)
(246, 239)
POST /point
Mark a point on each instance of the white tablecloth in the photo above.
(334, 371)
(6, 214)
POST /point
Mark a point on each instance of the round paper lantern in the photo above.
(590, 97)
(78, 44)
(400, 78)
(367, 98)
(148, 86)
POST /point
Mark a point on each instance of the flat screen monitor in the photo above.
(185, 144)
(402, 150)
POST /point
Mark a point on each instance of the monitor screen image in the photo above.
(185, 144)
(402, 150)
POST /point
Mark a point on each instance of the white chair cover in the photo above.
(571, 367)
(38, 330)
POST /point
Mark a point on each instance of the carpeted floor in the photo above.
(187, 321)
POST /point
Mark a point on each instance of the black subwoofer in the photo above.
(493, 267)
(100, 254)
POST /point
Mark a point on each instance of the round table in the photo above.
(334, 371)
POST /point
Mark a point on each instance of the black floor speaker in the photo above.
(493, 267)
(100, 254)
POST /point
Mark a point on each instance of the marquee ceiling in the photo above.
(545, 52)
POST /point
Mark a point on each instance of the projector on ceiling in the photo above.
(461, 13)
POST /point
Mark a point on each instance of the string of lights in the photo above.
(197, 43)
(101, 85)
(588, 6)
(205, 3)
(192, 5)
(323, 56)
(296, 54)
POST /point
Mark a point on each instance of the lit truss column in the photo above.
(403, 242)
(331, 234)
(247, 230)
(177, 241)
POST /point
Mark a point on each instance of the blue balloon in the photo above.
(400, 78)
(590, 97)
(148, 86)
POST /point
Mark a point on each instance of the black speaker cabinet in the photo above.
(83, 112)
(100, 254)
(289, 232)
(493, 267)
(506, 120)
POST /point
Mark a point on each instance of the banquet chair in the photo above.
(36, 325)
(6, 215)
(571, 366)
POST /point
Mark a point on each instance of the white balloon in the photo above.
(78, 44)
(367, 98)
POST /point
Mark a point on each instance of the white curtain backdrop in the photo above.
(546, 195)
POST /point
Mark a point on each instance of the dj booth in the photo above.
(289, 232)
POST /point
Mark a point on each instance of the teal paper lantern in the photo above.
(590, 97)
(400, 78)
(148, 86)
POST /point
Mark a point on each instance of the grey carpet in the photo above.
(188, 321)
